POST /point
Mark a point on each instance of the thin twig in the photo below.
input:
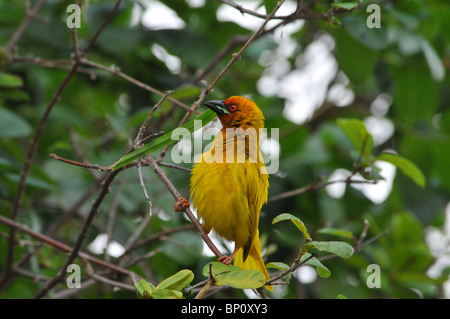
(297, 15)
(140, 136)
(162, 176)
(34, 143)
(316, 185)
(29, 159)
(91, 273)
(155, 237)
(138, 231)
(30, 15)
(59, 245)
(117, 72)
(94, 209)
(234, 58)
(141, 182)
(112, 217)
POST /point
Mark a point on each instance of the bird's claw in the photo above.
(226, 260)
(181, 204)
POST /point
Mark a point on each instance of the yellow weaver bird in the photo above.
(229, 183)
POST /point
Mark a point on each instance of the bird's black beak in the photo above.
(217, 106)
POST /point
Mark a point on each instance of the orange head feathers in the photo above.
(237, 111)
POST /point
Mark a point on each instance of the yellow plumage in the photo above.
(228, 193)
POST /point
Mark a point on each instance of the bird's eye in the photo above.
(233, 108)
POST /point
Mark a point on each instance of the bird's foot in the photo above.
(181, 204)
(226, 260)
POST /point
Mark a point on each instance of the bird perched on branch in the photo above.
(229, 183)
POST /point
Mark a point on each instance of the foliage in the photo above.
(395, 76)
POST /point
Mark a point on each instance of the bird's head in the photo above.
(237, 112)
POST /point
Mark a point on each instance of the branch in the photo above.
(117, 72)
(28, 161)
(30, 15)
(94, 210)
(162, 176)
(357, 248)
(297, 15)
(234, 58)
(316, 185)
(59, 245)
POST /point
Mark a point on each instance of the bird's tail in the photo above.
(254, 260)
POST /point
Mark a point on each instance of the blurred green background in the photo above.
(304, 75)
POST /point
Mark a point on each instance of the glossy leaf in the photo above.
(405, 165)
(337, 248)
(322, 271)
(297, 222)
(358, 135)
(164, 140)
(345, 5)
(144, 289)
(12, 125)
(233, 276)
(10, 80)
(242, 279)
(177, 281)
(336, 232)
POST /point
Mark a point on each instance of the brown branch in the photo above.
(33, 146)
(29, 159)
(235, 41)
(297, 263)
(117, 72)
(140, 136)
(234, 58)
(90, 272)
(94, 210)
(162, 176)
(30, 15)
(59, 245)
(316, 185)
(298, 14)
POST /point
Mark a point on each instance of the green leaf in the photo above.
(322, 271)
(297, 222)
(376, 38)
(228, 275)
(434, 62)
(339, 296)
(10, 80)
(186, 92)
(165, 140)
(405, 165)
(337, 248)
(241, 279)
(358, 135)
(178, 281)
(12, 125)
(336, 232)
(218, 268)
(280, 266)
(345, 5)
(167, 294)
(348, 50)
(144, 289)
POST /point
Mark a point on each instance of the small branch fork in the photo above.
(359, 244)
